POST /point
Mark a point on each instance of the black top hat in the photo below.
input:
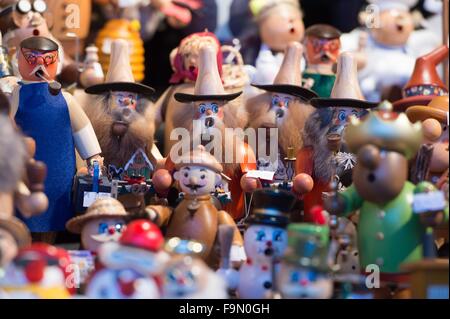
(120, 76)
(294, 90)
(186, 98)
(271, 207)
(39, 43)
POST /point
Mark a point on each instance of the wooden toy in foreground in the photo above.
(40, 271)
(384, 142)
(196, 217)
(58, 125)
(130, 265)
(324, 155)
(103, 222)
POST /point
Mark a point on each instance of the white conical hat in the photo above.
(120, 76)
(394, 4)
(289, 77)
(208, 86)
(346, 90)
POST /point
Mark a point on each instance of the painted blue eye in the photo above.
(295, 276)
(276, 101)
(202, 109)
(260, 235)
(342, 116)
(286, 102)
(215, 108)
(102, 228)
(277, 235)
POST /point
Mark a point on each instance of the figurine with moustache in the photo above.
(285, 108)
(322, 50)
(324, 155)
(196, 217)
(123, 117)
(209, 111)
(57, 123)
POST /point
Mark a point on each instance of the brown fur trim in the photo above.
(314, 134)
(139, 135)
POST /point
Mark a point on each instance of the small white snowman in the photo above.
(265, 242)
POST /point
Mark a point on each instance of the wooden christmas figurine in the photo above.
(322, 50)
(196, 217)
(58, 125)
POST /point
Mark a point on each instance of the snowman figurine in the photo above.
(131, 265)
(186, 275)
(265, 242)
(304, 272)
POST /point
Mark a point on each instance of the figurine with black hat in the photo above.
(282, 110)
(122, 117)
(324, 155)
(210, 112)
(322, 42)
(57, 123)
(265, 241)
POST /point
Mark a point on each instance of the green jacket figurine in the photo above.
(393, 217)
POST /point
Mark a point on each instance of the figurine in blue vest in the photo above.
(58, 124)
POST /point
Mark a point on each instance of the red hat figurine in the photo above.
(142, 234)
(425, 82)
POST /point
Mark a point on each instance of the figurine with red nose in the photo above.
(123, 118)
(103, 222)
(40, 271)
(207, 117)
(393, 211)
(185, 64)
(196, 217)
(279, 23)
(322, 42)
(28, 18)
(265, 242)
(282, 110)
(130, 264)
(324, 155)
(57, 123)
